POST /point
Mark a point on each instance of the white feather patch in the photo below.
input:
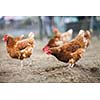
(70, 31)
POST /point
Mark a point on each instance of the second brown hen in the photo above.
(59, 38)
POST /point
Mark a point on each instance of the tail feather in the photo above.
(67, 35)
(22, 36)
(31, 35)
(70, 31)
(81, 32)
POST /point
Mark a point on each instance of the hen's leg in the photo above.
(76, 56)
(30, 61)
(21, 63)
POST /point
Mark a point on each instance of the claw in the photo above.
(71, 65)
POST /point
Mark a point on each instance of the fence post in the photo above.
(91, 23)
(40, 28)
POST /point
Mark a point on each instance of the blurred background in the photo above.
(42, 25)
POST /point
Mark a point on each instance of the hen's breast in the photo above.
(64, 57)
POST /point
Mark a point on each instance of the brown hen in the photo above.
(71, 52)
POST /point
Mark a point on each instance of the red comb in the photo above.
(5, 37)
(55, 30)
(46, 50)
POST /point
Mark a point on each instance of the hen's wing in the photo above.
(19, 38)
(22, 44)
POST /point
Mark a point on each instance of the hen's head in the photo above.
(5, 38)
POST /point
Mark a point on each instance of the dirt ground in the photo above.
(47, 69)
